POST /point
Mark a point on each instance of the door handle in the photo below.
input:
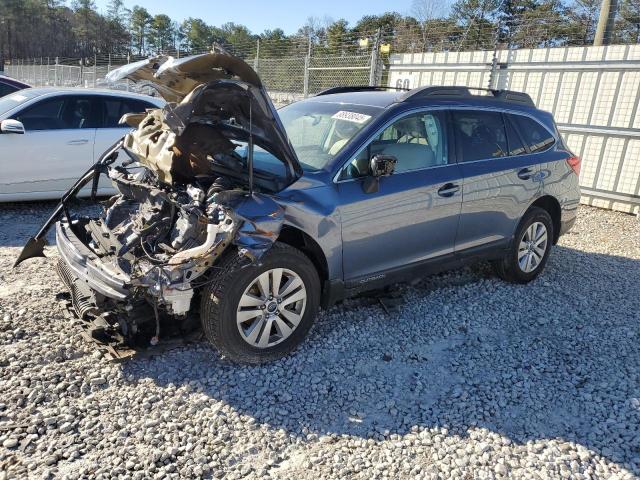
(78, 142)
(525, 174)
(448, 190)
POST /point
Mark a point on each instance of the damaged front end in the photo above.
(187, 192)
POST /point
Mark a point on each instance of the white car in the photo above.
(50, 136)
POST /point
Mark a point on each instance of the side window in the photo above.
(6, 89)
(417, 141)
(58, 113)
(535, 135)
(114, 108)
(111, 112)
(516, 145)
(480, 134)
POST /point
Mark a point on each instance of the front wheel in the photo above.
(260, 312)
(530, 250)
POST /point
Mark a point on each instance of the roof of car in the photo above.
(449, 95)
(13, 81)
(39, 91)
(369, 98)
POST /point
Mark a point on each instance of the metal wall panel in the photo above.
(593, 92)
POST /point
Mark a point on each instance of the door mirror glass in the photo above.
(11, 126)
(382, 165)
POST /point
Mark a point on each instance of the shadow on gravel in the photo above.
(556, 358)
(22, 220)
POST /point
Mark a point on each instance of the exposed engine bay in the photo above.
(187, 192)
(164, 242)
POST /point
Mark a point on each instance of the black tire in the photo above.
(220, 299)
(508, 267)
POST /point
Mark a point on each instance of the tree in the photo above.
(160, 33)
(85, 26)
(138, 26)
(274, 43)
(582, 18)
(118, 37)
(630, 21)
(338, 36)
(386, 24)
(425, 10)
(196, 34)
(239, 38)
(477, 19)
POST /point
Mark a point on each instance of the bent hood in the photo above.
(219, 91)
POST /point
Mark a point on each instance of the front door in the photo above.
(414, 214)
(56, 148)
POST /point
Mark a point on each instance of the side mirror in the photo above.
(11, 126)
(379, 166)
(382, 165)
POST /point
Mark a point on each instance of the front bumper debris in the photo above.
(116, 351)
(87, 267)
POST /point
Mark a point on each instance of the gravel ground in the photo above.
(471, 378)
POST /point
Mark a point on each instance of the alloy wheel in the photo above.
(532, 247)
(271, 307)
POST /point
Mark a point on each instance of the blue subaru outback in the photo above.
(250, 218)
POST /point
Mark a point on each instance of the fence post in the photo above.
(256, 59)
(307, 64)
(55, 73)
(494, 71)
(373, 67)
(305, 80)
(95, 69)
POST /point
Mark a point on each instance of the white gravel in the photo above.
(471, 378)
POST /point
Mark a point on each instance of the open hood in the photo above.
(219, 94)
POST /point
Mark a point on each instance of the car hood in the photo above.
(217, 90)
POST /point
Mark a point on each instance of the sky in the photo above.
(261, 15)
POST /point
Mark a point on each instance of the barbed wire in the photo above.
(430, 36)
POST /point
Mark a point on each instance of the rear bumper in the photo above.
(87, 266)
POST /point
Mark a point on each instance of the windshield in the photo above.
(318, 131)
(11, 101)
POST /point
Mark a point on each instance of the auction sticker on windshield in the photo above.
(351, 116)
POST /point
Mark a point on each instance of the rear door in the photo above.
(413, 216)
(56, 148)
(500, 177)
(111, 110)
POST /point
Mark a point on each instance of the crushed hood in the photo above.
(216, 93)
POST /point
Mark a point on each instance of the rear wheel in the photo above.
(260, 312)
(529, 252)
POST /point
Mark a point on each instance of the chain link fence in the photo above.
(287, 78)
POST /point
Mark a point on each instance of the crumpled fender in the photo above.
(260, 219)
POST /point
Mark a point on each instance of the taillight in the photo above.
(574, 163)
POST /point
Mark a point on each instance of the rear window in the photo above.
(535, 135)
(480, 134)
(115, 108)
(516, 145)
